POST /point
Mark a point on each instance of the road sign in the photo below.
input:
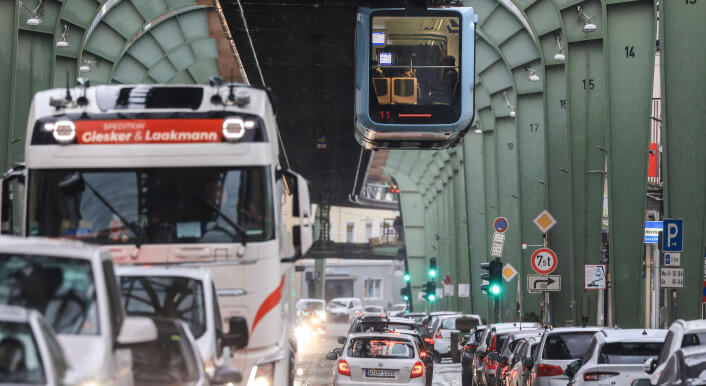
(652, 229)
(673, 235)
(496, 250)
(544, 221)
(544, 261)
(537, 283)
(509, 272)
(594, 276)
(672, 259)
(447, 279)
(501, 224)
(672, 277)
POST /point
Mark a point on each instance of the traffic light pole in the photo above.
(409, 285)
(496, 311)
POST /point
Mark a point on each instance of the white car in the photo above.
(681, 333)
(559, 347)
(29, 349)
(616, 357)
(74, 286)
(371, 358)
(397, 309)
(442, 328)
(374, 311)
(344, 308)
(188, 294)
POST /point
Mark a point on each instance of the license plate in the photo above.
(380, 373)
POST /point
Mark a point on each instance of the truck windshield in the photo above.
(62, 289)
(169, 297)
(152, 206)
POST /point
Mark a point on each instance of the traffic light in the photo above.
(432, 267)
(404, 291)
(407, 277)
(494, 277)
(431, 291)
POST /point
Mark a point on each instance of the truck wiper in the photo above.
(220, 213)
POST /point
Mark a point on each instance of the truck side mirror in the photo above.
(237, 336)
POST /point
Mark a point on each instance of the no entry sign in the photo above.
(544, 261)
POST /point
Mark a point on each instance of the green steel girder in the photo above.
(683, 61)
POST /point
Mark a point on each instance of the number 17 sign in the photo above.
(544, 261)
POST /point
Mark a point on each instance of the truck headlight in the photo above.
(262, 375)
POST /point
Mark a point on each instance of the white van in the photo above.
(187, 294)
(74, 287)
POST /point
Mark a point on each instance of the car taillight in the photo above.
(493, 342)
(598, 375)
(468, 347)
(438, 334)
(423, 354)
(417, 370)
(429, 340)
(492, 365)
(343, 367)
(548, 370)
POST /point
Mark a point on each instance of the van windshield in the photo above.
(169, 297)
(62, 289)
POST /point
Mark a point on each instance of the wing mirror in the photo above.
(527, 362)
(493, 356)
(342, 340)
(136, 329)
(502, 359)
(572, 368)
(650, 365)
(237, 336)
(332, 356)
(224, 375)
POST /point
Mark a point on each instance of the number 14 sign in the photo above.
(544, 261)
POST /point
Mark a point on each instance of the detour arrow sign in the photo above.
(537, 283)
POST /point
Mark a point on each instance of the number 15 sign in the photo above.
(544, 261)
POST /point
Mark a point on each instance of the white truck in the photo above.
(173, 175)
(75, 288)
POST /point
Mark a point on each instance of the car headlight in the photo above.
(321, 315)
(315, 320)
(262, 375)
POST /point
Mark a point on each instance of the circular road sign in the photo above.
(501, 224)
(447, 279)
(544, 261)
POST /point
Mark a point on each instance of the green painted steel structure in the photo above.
(121, 41)
(579, 132)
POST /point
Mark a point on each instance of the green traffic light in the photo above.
(431, 297)
(495, 289)
(432, 273)
(405, 298)
(407, 277)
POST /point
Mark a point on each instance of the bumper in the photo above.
(346, 381)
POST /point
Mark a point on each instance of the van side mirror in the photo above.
(650, 365)
(237, 336)
(224, 375)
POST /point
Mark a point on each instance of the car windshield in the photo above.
(19, 358)
(373, 309)
(156, 205)
(338, 303)
(311, 306)
(448, 324)
(628, 352)
(168, 360)
(62, 289)
(567, 345)
(169, 297)
(380, 347)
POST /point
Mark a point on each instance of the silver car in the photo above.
(559, 347)
(518, 373)
(371, 358)
(616, 357)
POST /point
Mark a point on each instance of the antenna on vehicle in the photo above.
(85, 84)
(60, 103)
(68, 98)
(231, 94)
(216, 82)
(644, 331)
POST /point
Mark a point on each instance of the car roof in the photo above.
(443, 313)
(639, 334)
(575, 329)
(51, 247)
(396, 319)
(14, 314)
(163, 270)
(689, 325)
(310, 300)
(515, 325)
(521, 334)
(378, 335)
(471, 316)
(343, 299)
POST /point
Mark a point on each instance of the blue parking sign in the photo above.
(673, 235)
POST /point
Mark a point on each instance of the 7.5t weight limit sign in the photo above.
(544, 261)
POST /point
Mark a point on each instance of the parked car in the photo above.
(616, 356)
(174, 358)
(470, 345)
(428, 321)
(417, 316)
(495, 340)
(487, 345)
(519, 372)
(374, 310)
(188, 294)
(74, 286)
(29, 351)
(344, 309)
(370, 358)
(397, 309)
(505, 355)
(443, 327)
(559, 347)
(686, 366)
(681, 334)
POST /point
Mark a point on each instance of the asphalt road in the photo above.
(313, 369)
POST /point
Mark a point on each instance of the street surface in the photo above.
(313, 369)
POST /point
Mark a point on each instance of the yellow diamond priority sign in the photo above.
(509, 272)
(544, 221)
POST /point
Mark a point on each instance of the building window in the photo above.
(373, 289)
(350, 232)
(368, 230)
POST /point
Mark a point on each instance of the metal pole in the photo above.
(496, 312)
(656, 284)
(547, 312)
